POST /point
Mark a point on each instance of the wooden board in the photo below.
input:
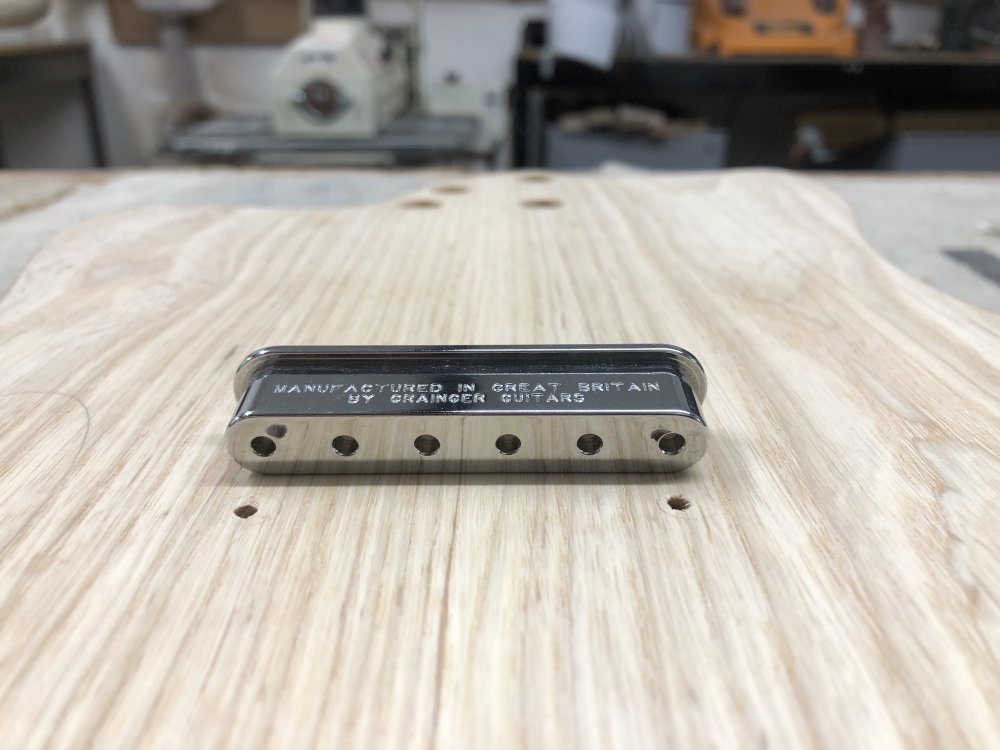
(231, 22)
(23, 192)
(834, 580)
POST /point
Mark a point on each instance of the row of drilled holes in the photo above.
(533, 203)
(676, 502)
(457, 189)
(669, 443)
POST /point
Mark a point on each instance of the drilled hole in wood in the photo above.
(543, 203)
(421, 203)
(679, 502)
(245, 511)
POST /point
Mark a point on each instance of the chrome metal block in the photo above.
(402, 409)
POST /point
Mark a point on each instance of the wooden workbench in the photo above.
(913, 221)
(827, 575)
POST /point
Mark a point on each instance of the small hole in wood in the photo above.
(421, 203)
(277, 431)
(543, 203)
(245, 511)
(679, 502)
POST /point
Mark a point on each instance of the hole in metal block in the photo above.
(345, 445)
(508, 444)
(263, 446)
(427, 445)
(670, 443)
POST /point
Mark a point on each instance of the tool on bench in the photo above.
(775, 27)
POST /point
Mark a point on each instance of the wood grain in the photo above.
(834, 582)
(23, 192)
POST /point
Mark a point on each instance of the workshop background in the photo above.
(569, 84)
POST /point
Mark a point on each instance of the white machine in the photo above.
(343, 78)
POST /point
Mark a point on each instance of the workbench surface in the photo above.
(827, 576)
(927, 225)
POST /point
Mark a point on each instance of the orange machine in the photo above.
(775, 27)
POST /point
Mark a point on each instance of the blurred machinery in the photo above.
(172, 17)
(775, 27)
(341, 78)
(348, 92)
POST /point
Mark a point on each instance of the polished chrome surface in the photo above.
(468, 409)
